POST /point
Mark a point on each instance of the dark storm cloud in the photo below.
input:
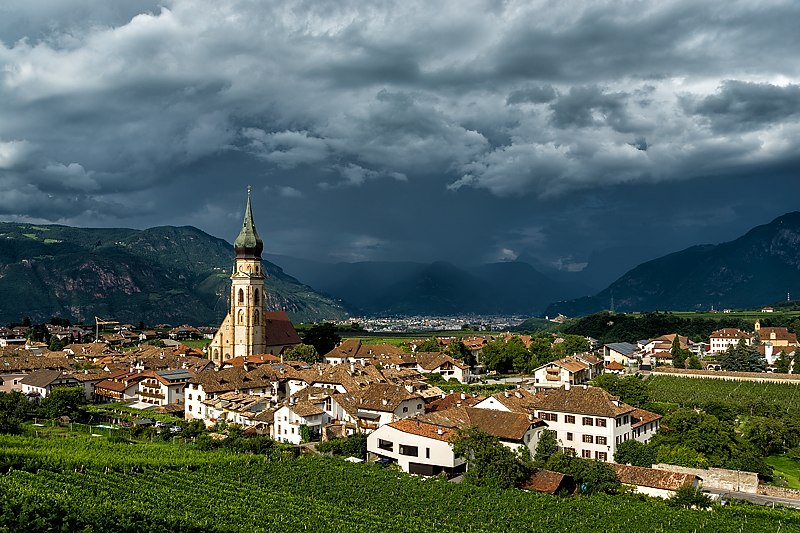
(743, 106)
(115, 115)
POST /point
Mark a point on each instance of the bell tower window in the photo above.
(241, 296)
(255, 297)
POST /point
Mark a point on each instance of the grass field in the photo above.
(198, 344)
(786, 468)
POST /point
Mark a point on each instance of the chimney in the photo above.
(439, 431)
(385, 401)
(567, 385)
(410, 388)
(463, 396)
(506, 394)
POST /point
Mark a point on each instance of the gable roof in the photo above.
(501, 424)
(278, 329)
(547, 481)
(415, 426)
(456, 399)
(580, 400)
(516, 401)
(624, 348)
(43, 378)
(650, 477)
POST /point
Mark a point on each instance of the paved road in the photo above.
(759, 499)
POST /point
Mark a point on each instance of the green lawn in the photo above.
(787, 468)
(198, 343)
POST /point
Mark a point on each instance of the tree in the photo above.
(322, 336)
(694, 363)
(700, 432)
(679, 355)
(519, 355)
(56, 344)
(490, 463)
(302, 352)
(782, 363)
(430, 345)
(571, 345)
(458, 350)
(681, 455)
(768, 435)
(495, 357)
(545, 448)
(64, 401)
(630, 389)
(590, 476)
(541, 350)
(635, 453)
(742, 358)
(688, 497)
(13, 408)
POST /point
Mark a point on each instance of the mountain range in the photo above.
(165, 274)
(439, 288)
(759, 268)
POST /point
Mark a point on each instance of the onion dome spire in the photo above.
(248, 243)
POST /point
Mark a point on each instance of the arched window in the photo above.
(241, 296)
(240, 318)
(216, 354)
(256, 318)
(255, 297)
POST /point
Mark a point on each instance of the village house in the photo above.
(163, 388)
(590, 422)
(236, 408)
(721, 339)
(40, 383)
(442, 364)
(652, 482)
(421, 445)
(623, 353)
(562, 371)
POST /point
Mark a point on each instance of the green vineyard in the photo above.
(69, 485)
(743, 396)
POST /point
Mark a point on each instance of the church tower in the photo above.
(243, 332)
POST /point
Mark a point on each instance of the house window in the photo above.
(588, 421)
(569, 419)
(587, 454)
(601, 440)
(385, 445)
(569, 436)
(190, 396)
(552, 417)
(601, 456)
(601, 422)
(427, 453)
(412, 451)
(419, 406)
(190, 408)
(405, 409)
(588, 438)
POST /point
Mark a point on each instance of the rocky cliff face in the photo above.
(159, 275)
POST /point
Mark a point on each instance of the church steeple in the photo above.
(248, 244)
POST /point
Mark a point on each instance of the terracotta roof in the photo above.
(780, 334)
(649, 477)
(28, 363)
(729, 333)
(279, 330)
(42, 378)
(108, 384)
(614, 365)
(305, 408)
(456, 399)
(384, 397)
(433, 360)
(517, 400)
(642, 417)
(588, 358)
(571, 364)
(252, 360)
(547, 481)
(581, 400)
(415, 426)
(501, 424)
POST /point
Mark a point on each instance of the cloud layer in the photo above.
(109, 112)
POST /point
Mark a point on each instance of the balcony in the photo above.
(151, 394)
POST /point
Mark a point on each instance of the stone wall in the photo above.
(719, 478)
(769, 490)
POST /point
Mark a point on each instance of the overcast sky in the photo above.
(569, 134)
